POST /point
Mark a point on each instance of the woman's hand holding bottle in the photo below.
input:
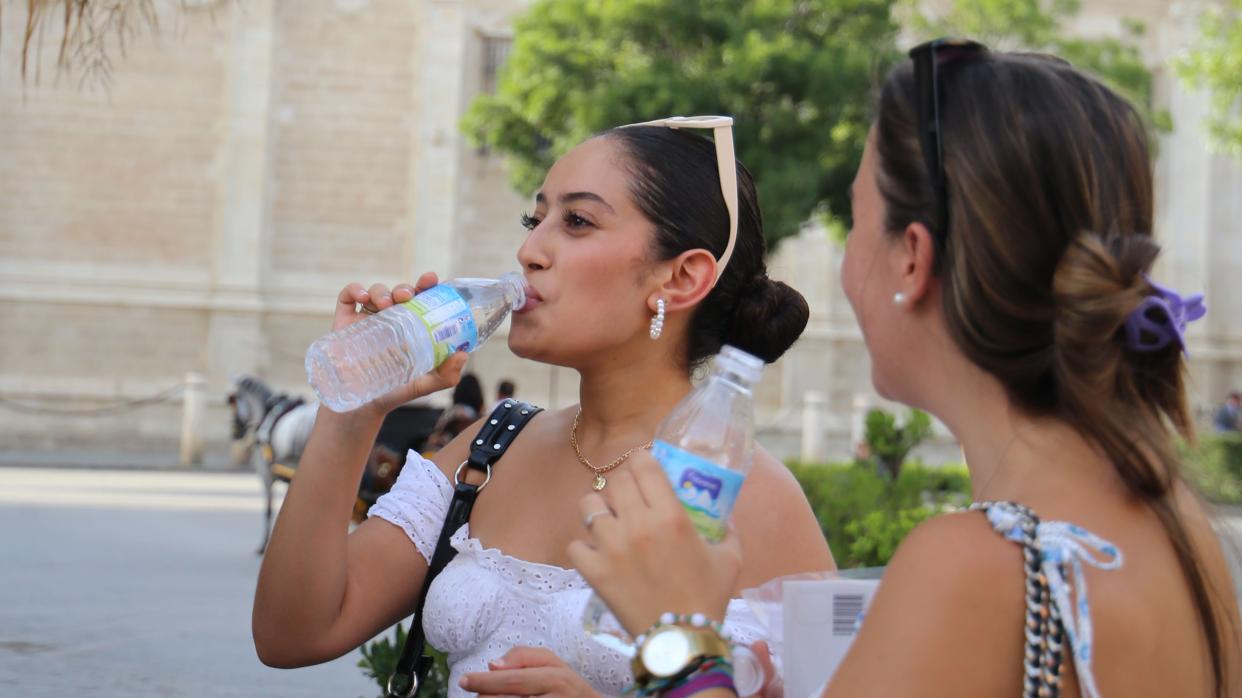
(646, 557)
(356, 302)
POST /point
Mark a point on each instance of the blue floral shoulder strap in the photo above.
(1054, 554)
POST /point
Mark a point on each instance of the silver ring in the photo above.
(457, 475)
(590, 518)
(367, 310)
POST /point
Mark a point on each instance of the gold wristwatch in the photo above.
(670, 649)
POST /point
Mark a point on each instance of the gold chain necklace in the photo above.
(600, 482)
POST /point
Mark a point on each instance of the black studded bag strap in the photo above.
(498, 432)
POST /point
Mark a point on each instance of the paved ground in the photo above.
(133, 584)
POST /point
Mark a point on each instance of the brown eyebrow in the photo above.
(576, 196)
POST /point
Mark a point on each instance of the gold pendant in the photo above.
(599, 482)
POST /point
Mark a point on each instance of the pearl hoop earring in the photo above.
(657, 322)
(899, 298)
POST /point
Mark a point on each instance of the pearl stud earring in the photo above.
(899, 298)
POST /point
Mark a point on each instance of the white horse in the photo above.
(270, 431)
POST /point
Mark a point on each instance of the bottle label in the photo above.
(448, 319)
(706, 490)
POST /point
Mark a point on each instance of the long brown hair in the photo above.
(1048, 245)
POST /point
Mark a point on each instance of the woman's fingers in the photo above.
(381, 296)
(516, 682)
(772, 686)
(627, 500)
(598, 519)
(526, 658)
(528, 671)
(378, 297)
(446, 375)
(347, 302)
(426, 281)
(587, 560)
(352, 293)
(652, 482)
(593, 508)
(402, 293)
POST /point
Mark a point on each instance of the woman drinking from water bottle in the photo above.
(643, 255)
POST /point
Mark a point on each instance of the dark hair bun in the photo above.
(768, 318)
(1098, 283)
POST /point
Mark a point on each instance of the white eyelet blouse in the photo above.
(486, 602)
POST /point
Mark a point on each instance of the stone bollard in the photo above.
(193, 409)
(813, 406)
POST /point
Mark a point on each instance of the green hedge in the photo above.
(864, 516)
(1214, 467)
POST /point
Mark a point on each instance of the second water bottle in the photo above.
(706, 447)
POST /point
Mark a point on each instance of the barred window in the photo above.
(495, 51)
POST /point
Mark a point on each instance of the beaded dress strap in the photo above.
(1054, 554)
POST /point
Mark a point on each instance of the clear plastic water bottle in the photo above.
(706, 445)
(354, 365)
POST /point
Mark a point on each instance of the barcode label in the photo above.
(445, 332)
(846, 612)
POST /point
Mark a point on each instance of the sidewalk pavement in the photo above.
(214, 461)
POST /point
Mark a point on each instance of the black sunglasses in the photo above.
(928, 60)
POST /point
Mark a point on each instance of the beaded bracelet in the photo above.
(694, 620)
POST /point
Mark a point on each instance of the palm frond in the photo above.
(90, 31)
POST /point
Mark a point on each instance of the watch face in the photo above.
(666, 652)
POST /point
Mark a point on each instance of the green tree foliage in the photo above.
(1215, 63)
(888, 443)
(379, 661)
(796, 75)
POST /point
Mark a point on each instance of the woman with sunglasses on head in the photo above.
(644, 255)
(999, 267)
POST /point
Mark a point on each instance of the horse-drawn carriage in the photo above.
(270, 431)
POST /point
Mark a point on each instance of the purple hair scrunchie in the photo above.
(1162, 318)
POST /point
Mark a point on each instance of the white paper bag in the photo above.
(820, 620)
